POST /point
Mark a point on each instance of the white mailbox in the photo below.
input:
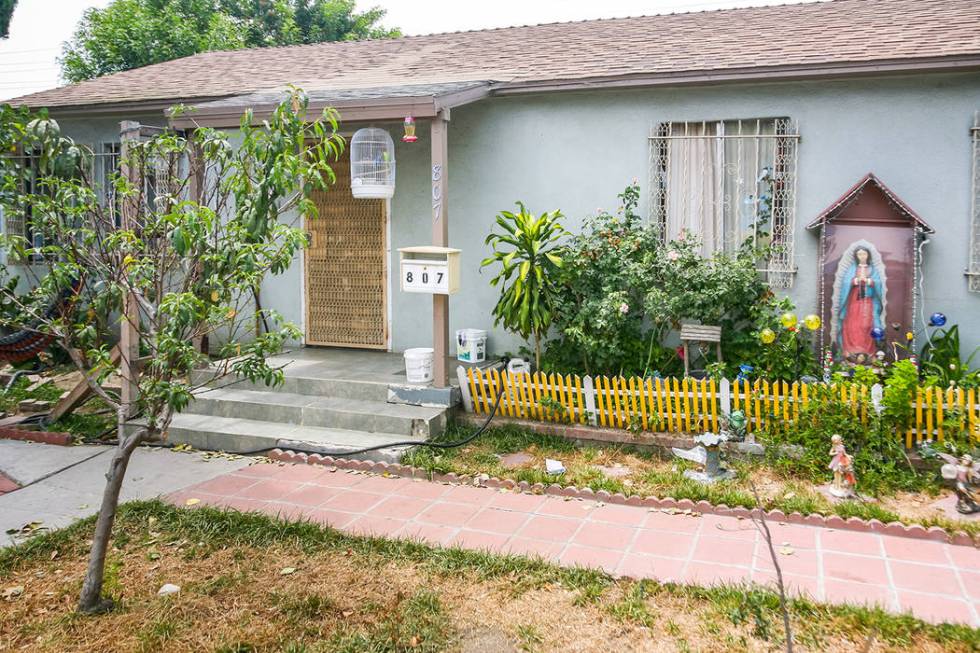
(429, 269)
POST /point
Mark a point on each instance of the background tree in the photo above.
(203, 222)
(133, 33)
(6, 13)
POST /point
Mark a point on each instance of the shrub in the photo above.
(622, 291)
(526, 252)
(880, 461)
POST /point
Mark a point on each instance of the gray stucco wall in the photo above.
(576, 151)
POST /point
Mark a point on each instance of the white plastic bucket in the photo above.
(418, 364)
(471, 345)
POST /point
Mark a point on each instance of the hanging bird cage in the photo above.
(372, 164)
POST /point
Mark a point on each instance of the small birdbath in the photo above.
(708, 455)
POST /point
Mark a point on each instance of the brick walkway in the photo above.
(936, 581)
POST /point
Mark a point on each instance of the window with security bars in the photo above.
(108, 169)
(726, 181)
(973, 268)
(20, 223)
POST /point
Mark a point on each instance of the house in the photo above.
(823, 96)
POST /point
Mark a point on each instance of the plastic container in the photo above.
(418, 364)
(471, 345)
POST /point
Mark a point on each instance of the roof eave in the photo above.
(351, 111)
(117, 108)
(793, 72)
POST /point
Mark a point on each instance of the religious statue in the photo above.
(966, 475)
(843, 468)
(859, 301)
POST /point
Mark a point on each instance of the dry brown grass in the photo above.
(235, 594)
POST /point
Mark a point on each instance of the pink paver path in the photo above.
(936, 581)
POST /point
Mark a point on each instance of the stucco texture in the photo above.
(575, 151)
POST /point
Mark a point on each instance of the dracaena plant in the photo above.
(203, 222)
(527, 252)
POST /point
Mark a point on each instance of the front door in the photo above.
(346, 268)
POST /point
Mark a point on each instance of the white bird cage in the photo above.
(372, 164)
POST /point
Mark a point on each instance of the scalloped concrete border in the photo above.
(898, 529)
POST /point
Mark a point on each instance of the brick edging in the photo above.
(60, 438)
(898, 529)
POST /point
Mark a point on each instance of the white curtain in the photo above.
(695, 185)
(748, 151)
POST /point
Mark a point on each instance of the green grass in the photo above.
(418, 623)
(423, 616)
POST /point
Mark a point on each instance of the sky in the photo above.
(28, 59)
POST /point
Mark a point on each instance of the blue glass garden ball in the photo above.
(937, 320)
(878, 333)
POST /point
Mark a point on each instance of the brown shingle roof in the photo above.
(834, 33)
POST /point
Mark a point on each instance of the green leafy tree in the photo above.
(200, 229)
(526, 252)
(6, 13)
(133, 33)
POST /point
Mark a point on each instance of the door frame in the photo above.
(385, 294)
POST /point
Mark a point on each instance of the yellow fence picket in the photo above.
(689, 405)
(971, 411)
(642, 401)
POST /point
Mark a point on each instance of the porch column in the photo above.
(129, 342)
(440, 238)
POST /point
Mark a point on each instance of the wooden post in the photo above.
(129, 343)
(440, 238)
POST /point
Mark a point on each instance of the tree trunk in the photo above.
(91, 601)
(537, 352)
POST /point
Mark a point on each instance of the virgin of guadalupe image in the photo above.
(859, 301)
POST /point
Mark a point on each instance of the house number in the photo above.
(424, 277)
(436, 193)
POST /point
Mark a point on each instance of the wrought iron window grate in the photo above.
(726, 181)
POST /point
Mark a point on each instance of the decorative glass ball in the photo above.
(788, 320)
(878, 333)
(767, 336)
(937, 320)
(812, 322)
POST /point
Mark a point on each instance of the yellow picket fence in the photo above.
(693, 405)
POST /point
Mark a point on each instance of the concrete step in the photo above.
(236, 435)
(300, 384)
(287, 408)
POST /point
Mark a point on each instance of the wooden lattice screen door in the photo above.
(346, 270)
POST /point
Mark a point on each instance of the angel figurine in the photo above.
(964, 471)
(843, 468)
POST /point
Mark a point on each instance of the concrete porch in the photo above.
(331, 401)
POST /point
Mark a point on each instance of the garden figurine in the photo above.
(966, 474)
(843, 468)
(733, 426)
(707, 454)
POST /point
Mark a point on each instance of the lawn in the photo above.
(252, 583)
(631, 472)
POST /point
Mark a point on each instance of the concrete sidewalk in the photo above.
(935, 581)
(64, 484)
